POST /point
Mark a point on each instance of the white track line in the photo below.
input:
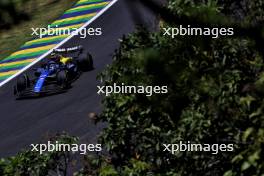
(60, 44)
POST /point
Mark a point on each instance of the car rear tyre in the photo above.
(85, 62)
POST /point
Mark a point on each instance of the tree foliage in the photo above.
(215, 96)
(29, 162)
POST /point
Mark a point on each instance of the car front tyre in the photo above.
(62, 79)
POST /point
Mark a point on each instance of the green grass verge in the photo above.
(42, 13)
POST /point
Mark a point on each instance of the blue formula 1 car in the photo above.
(62, 68)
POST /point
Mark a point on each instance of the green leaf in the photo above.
(245, 166)
(247, 133)
(228, 173)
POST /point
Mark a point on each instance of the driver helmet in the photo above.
(55, 57)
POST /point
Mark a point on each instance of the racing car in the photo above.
(63, 67)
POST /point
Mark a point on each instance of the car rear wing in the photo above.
(68, 50)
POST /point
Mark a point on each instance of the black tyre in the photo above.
(22, 83)
(37, 74)
(62, 79)
(85, 62)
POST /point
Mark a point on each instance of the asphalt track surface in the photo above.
(27, 121)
